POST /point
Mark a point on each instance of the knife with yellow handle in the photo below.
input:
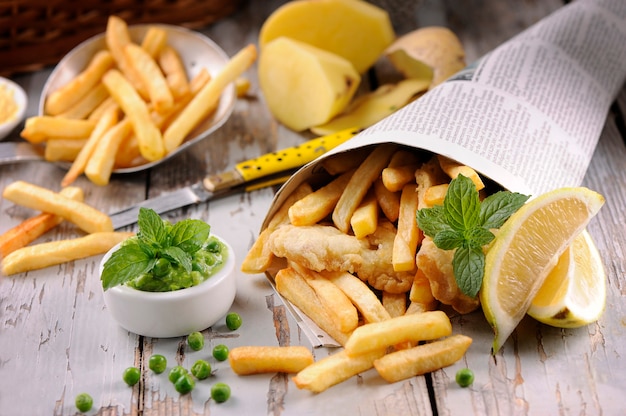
(267, 170)
(271, 163)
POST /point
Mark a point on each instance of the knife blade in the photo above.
(267, 170)
(272, 163)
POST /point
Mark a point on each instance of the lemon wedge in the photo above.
(527, 247)
(574, 293)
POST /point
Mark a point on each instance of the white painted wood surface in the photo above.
(57, 339)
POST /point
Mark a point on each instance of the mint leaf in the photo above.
(177, 255)
(432, 220)
(468, 264)
(189, 235)
(463, 224)
(126, 263)
(461, 205)
(479, 236)
(151, 228)
(449, 239)
(498, 207)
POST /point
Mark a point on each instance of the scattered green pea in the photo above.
(195, 340)
(464, 377)
(83, 402)
(131, 375)
(201, 369)
(233, 321)
(220, 352)
(176, 372)
(157, 363)
(220, 392)
(184, 384)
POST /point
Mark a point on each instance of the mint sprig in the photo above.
(155, 239)
(463, 224)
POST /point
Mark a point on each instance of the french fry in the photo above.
(242, 86)
(104, 106)
(365, 218)
(434, 195)
(334, 369)
(294, 288)
(319, 204)
(116, 38)
(408, 235)
(259, 257)
(38, 129)
(343, 162)
(422, 359)
(388, 201)
(207, 99)
(108, 119)
(100, 164)
(365, 175)
(265, 359)
(65, 150)
(453, 169)
(394, 303)
(56, 252)
(154, 41)
(406, 328)
(429, 174)
(400, 171)
(421, 294)
(65, 97)
(174, 71)
(148, 135)
(360, 294)
(32, 196)
(333, 299)
(88, 103)
(32, 228)
(151, 77)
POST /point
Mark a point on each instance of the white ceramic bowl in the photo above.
(20, 99)
(196, 51)
(177, 313)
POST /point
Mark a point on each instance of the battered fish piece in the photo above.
(437, 266)
(317, 247)
(376, 267)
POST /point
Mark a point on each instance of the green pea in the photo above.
(131, 376)
(161, 267)
(195, 340)
(220, 392)
(157, 363)
(233, 321)
(213, 246)
(83, 402)
(464, 377)
(176, 373)
(184, 384)
(220, 352)
(201, 369)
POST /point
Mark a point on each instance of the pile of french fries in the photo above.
(17, 253)
(348, 253)
(132, 104)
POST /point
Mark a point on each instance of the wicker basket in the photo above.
(34, 33)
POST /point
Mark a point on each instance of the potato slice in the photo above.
(356, 30)
(375, 106)
(430, 52)
(303, 85)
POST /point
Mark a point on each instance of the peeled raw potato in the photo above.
(303, 85)
(373, 107)
(430, 50)
(353, 29)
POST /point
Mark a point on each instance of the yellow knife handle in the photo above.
(292, 157)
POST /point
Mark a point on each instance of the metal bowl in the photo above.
(196, 51)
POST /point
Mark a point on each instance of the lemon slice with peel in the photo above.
(526, 248)
(574, 293)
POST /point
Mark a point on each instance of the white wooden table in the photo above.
(57, 339)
